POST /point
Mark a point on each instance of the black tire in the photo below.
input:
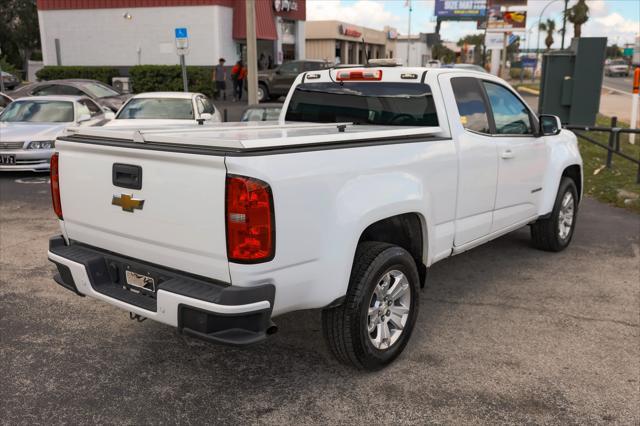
(345, 327)
(545, 233)
(265, 92)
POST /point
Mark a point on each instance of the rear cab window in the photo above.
(471, 104)
(376, 103)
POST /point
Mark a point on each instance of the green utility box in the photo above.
(571, 81)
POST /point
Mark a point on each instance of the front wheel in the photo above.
(374, 323)
(555, 232)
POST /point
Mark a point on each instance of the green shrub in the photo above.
(103, 74)
(514, 73)
(161, 78)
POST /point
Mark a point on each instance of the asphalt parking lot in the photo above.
(506, 334)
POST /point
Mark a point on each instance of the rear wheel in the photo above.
(555, 232)
(374, 323)
(263, 93)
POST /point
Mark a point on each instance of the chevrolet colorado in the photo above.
(370, 176)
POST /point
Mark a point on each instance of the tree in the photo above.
(549, 27)
(578, 14)
(443, 53)
(613, 51)
(19, 31)
(475, 40)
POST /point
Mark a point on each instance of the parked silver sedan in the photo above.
(29, 127)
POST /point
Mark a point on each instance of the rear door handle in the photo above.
(507, 154)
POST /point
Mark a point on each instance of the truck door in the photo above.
(521, 157)
(477, 157)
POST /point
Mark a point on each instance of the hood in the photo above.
(15, 132)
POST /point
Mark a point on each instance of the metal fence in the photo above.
(613, 147)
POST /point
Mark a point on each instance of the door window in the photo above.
(205, 106)
(57, 89)
(511, 116)
(83, 110)
(290, 68)
(91, 106)
(471, 105)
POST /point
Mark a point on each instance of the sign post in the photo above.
(634, 104)
(182, 47)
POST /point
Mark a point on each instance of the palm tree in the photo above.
(549, 27)
(578, 14)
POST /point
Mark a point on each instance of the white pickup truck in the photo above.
(370, 176)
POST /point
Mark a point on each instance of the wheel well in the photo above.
(573, 172)
(404, 230)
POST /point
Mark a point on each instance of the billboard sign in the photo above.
(507, 3)
(507, 20)
(462, 10)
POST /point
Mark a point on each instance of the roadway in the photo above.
(621, 84)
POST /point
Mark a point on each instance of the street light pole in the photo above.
(252, 52)
(409, 36)
(564, 22)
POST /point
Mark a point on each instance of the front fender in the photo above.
(563, 152)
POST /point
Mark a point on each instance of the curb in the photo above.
(529, 91)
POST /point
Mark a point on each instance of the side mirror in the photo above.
(550, 125)
(278, 71)
(206, 116)
(106, 109)
(109, 115)
(83, 118)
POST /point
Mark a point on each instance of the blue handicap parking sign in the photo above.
(181, 33)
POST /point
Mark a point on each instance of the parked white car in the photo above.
(166, 108)
(370, 177)
(616, 67)
(29, 126)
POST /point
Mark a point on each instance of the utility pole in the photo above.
(409, 36)
(564, 22)
(252, 52)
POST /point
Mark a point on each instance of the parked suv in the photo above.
(276, 82)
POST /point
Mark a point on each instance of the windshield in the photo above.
(38, 112)
(99, 90)
(157, 108)
(390, 104)
(618, 62)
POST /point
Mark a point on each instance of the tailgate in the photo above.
(181, 224)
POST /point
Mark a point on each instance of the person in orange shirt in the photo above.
(239, 76)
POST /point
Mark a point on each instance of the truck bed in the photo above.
(243, 137)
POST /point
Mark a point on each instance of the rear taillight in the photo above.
(55, 186)
(250, 221)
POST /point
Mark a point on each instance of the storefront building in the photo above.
(124, 33)
(345, 43)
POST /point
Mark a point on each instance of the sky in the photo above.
(619, 20)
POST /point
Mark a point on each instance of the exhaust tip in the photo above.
(272, 329)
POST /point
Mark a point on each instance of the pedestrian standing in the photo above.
(236, 72)
(220, 78)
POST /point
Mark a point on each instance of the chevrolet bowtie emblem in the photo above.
(127, 202)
